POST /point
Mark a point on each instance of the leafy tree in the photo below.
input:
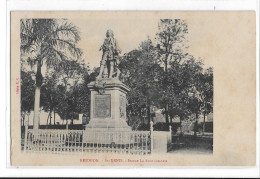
(63, 106)
(170, 38)
(204, 91)
(27, 94)
(83, 99)
(47, 42)
(50, 97)
(201, 94)
(181, 79)
(142, 73)
(69, 90)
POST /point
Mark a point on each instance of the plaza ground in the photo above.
(192, 144)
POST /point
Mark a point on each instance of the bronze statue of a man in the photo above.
(110, 57)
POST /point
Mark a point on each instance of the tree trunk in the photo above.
(148, 114)
(197, 117)
(72, 119)
(203, 130)
(166, 114)
(22, 120)
(141, 115)
(28, 119)
(36, 117)
(165, 87)
(50, 116)
(166, 64)
(54, 117)
(180, 124)
(48, 119)
(67, 126)
(196, 125)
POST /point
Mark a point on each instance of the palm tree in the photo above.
(47, 42)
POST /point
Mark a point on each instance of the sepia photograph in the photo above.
(130, 88)
(157, 91)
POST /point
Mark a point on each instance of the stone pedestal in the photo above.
(108, 106)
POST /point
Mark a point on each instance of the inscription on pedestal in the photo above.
(102, 106)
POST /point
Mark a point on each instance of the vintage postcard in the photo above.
(133, 88)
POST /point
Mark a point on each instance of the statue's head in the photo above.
(110, 33)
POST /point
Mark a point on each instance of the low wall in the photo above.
(161, 139)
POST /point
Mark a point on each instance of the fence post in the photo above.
(151, 129)
(67, 125)
(25, 136)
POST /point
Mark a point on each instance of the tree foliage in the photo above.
(65, 90)
(142, 73)
(160, 73)
(165, 76)
(47, 42)
(27, 94)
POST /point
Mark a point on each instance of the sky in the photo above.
(129, 34)
(130, 30)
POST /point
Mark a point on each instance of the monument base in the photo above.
(107, 125)
(101, 136)
(108, 112)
